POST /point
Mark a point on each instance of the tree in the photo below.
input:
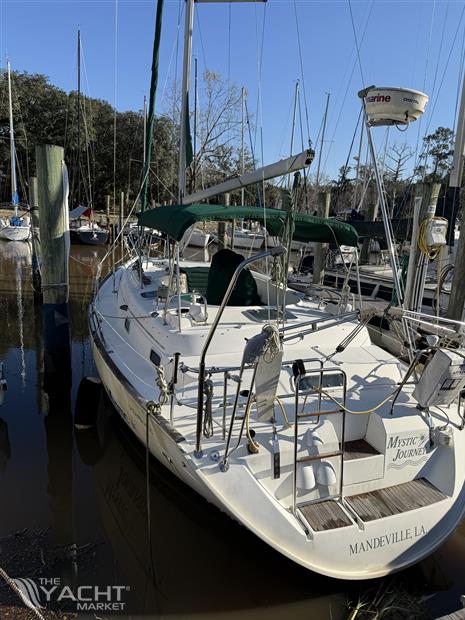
(218, 134)
(45, 114)
(439, 148)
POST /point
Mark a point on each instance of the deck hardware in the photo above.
(172, 385)
(202, 372)
(215, 456)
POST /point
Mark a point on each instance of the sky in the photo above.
(401, 43)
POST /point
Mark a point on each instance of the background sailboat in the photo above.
(16, 228)
(89, 233)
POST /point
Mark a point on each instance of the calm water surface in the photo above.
(86, 492)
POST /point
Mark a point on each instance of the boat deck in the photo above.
(358, 449)
(395, 500)
(329, 515)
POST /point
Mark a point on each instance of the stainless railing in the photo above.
(202, 368)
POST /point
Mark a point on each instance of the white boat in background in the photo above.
(197, 238)
(245, 238)
(296, 246)
(16, 228)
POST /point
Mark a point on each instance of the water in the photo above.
(77, 502)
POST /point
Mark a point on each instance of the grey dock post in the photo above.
(425, 201)
(371, 217)
(323, 202)
(457, 293)
(54, 235)
(36, 259)
(222, 228)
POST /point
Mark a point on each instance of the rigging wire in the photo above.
(114, 102)
(88, 128)
(440, 49)
(425, 151)
(357, 47)
(305, 171)
(302, 72)
(331, 142)
(425, 76)
(445, 68)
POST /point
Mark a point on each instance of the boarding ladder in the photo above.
(309, 383)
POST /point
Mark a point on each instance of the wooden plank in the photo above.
(326, 515)
(358, 449)
(395, 500)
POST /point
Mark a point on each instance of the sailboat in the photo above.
(16, 228)
(89, 233)
(274, 406)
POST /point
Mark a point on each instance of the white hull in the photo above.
(199, 239)
(362, 549)
(247, 240)
(296, 246)
(15, 233)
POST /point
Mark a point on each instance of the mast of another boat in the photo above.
(14, 187)
(144, 153)
(323, 131)
(79, 117)
(457, 293)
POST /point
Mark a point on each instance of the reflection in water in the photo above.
(5, 447)
(204, 563)
(19, 301)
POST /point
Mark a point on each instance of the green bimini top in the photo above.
(174, 220)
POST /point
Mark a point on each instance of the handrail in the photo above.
(339, 318)
(412, 315)
(213, 370)
(247, 261)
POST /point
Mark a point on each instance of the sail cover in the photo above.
(174, 220)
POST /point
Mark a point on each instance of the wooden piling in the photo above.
(323, 202)
(35, 233)
(54, 225)
(222, 244)
(54, 236)
(426, 198)
(371, 217)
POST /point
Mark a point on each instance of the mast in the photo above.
(195, 124)
(14, 188)
(144, 155)
(457, 292)
(189, 22)
(150, 123)
(79, 117)
(296, 98)
(317, 180)
(242, 142)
